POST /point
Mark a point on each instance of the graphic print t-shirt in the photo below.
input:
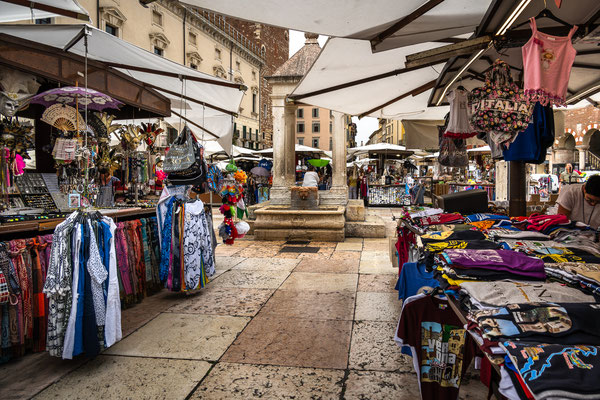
(441, 345)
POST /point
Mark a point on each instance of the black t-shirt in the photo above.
(565, 323)
(557, 371)
(443, 347)
(466, 235)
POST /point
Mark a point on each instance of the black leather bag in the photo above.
(194, 174)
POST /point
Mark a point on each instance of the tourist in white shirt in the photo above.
(311, 178)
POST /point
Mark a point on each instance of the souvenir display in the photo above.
(16, 88)
(499, 107)
(232, 193)
(523, 289)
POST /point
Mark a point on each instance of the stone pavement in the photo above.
(271, 324)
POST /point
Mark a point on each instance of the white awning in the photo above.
(361, 19)
(299, 148)
(14, 10)
(220, 97)
(382, 78)
(383, 148)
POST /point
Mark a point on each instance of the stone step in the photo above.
(372, 227)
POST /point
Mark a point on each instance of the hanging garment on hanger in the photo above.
(459, 125)
(547, 62)
(58, 287)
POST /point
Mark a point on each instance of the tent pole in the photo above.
(517, 189)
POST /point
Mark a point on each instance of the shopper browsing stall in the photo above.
(579, 202)
(311, 178)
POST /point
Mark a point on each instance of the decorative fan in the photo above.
(63, 117)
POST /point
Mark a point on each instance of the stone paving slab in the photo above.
(113, 377)
(362, 385)
(377, 266)
(245, 381)
(225, 250)
(267, 264)
(349, 246)
(227, 262)
(372, 306)
(183, 336)
(377, 283)
(310, 305)
(251, 279)
(330, 266)
(224, 301)
(292, 342)
(345, 255)
(373, 348)
(322, 282)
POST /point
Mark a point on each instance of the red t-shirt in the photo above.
(442, 346)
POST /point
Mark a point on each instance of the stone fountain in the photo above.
(299, 213)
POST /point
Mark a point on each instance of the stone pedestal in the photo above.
(325, 224)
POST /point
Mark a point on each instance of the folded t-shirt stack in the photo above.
(564, 323)
(553, 371)
(502, 293)
(494, 264)
(454, 218)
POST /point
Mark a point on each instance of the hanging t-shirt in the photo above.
(557, 371)
(530, 145)
(414, 279)
(440, 346)
(566, 323)
(459, 125)
(547, 62)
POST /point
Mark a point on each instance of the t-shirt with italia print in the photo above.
(439, 344)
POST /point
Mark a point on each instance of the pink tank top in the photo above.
(547, 62)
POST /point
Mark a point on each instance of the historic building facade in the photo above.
(203, 41)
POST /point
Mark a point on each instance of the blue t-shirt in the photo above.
(530, 145)
(415, 279)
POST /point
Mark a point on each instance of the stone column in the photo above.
(338, 194)
(290, 145)
(582, 150)
(280, 191)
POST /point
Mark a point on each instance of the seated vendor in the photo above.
(106, 195)
(578, 202)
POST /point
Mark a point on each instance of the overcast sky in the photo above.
(367, 125)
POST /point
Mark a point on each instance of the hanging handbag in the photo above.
(180, 156)
(499, 107)
(196, 173)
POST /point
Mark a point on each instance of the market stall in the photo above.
(513, 290)
(105, 216)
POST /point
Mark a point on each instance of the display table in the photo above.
(50, 224)
(388, 195)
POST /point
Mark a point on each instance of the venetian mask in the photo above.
(15, 89)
